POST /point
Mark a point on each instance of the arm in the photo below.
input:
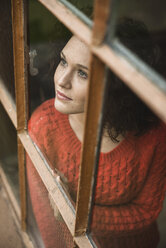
(143, 209)
(51, 226)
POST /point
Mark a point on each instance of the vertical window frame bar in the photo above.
(94, 105)
(19, 30)
(22, 182)
(101, 15)
(88, 156)
(20, 69)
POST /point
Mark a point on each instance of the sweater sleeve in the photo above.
(48, 224)
(40, 126)
(143, 209)
(36, 126)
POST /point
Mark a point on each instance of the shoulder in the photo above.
(161, 139)
(152, 142)
(155, 139)
(159, 132)
(156, 134)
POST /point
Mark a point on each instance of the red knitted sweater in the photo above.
(130, 186)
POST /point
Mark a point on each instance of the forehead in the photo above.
(77, 52)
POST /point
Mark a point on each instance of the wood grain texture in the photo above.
(88, 157)
(101, 15)
(20, 71)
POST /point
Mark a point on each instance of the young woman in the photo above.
(131, 183)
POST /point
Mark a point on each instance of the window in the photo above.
(40, 30)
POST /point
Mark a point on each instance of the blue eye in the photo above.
(82, 74)
(63, 62)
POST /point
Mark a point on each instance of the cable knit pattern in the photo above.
(131, 181)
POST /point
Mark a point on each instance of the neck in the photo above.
(77, 124)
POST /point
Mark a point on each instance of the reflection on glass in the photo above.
(150, 32)
(85, 6)
(51, 230)
(8, 151)
(47, 37)
(32, 227)
(6, 47)
(130, 185)
(59, 70)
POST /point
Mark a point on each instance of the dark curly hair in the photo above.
(124, 111)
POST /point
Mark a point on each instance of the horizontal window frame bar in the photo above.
(77, 13)
(144, 88)
(83, 241)
(8, 103)
(143, 67)
(71, 21)
(48, 180)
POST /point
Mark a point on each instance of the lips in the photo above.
(62, 96)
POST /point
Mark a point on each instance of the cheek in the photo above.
(81, 92)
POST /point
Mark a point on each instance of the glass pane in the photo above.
(47, 37)
(32, 227)
(85, 6)
(6, 46)
(8, 151)
(47, 229)
(130, 183)
(141, 27)
(56, 123)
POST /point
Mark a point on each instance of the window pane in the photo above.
(130, 182)
(32, 227)
(6, 46)
(85, 6)
(56, 59)
(45, 225)
(8, 151)
(47, 37)
(148, 41)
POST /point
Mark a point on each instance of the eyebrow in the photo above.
(63, 55)
(82, 66)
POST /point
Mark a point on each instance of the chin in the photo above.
(60, 108)
(66, 108)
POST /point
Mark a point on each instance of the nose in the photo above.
(65, 79)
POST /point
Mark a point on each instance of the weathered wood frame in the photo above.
(101, 55)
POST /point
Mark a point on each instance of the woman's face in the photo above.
(71, 77)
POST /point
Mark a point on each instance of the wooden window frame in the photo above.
(101, 55)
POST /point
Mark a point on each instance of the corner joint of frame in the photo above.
(80, 232)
